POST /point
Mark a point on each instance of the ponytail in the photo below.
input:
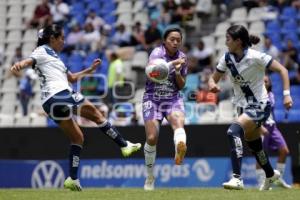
(253, 39)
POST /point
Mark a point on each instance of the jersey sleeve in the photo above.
(156, 53)
(221, 67)
(38, 55)
(263, 60)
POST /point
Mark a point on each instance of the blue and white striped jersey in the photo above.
(250, 74)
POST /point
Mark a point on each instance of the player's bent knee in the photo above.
(236, 130)
(151, 139)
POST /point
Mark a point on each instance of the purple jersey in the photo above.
(168, 89)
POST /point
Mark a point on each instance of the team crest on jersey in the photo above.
(238, 79)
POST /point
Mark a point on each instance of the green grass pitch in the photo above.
(140, 194)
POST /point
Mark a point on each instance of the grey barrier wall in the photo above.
(203, 141)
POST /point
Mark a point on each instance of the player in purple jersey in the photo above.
(162, 100)
(273, 141)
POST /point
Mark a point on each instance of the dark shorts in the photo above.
(59, 107)
(274, 140)
(158, 109)
(258, 112)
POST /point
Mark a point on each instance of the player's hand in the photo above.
(288, 102)
(177, 63)
(95, 64)
(16, 67)
(213, 87)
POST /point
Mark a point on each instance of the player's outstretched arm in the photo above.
(213, 82)
(73, 77)
(18, 66)
(277, 67)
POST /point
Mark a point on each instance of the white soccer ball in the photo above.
(157, 70)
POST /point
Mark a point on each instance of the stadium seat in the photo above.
(88, 60)
(128, 73)
(221, 28)
(140, 59)
(6, 120)
(124, 7)
(255, 14)
(238, 15)
(257, 27)
(23, 121)
(141, 17)
(125, 18)
(14, 11)
(220, 43)
(39, 121)
(138, 6)
(273, 27)
(28, 10)
(288, 13)
(289, 26)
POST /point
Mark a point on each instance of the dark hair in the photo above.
(45, 34)
(171, 29)
(240, 32)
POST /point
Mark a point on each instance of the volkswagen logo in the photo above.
(47, 174)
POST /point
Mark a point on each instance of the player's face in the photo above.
(233, 45)
(58, 43)
(173, 42)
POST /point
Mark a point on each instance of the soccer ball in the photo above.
(157, 70)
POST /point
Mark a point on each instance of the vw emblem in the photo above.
(47, 174)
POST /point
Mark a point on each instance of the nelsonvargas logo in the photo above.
(203, 170)
(164, 172)
(47, 174)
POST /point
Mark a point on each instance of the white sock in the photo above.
(179, 136)
(150, 156)
(280, 167)
(260, 175)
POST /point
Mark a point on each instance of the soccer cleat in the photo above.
(73, 185)
(180, 153)
(130, 148)
(149, 183)
(268, 181)
(281, 183)
(234, 184)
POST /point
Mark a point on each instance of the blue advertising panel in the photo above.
(195, 172)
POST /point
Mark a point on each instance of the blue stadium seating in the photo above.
(288, 13)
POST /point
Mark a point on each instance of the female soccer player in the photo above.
(246, 68)
(60, 101)
(163, 101)
(273, 141)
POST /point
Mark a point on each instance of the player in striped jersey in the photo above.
(246, 69)
(60, 102)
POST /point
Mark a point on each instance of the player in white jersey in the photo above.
(246, 69)
(60, 102)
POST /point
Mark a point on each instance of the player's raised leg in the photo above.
(89, 111)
